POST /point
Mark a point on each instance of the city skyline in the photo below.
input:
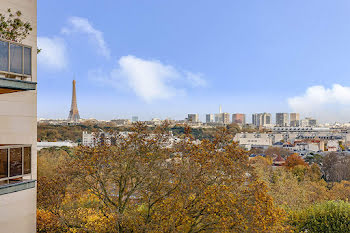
(242, 59)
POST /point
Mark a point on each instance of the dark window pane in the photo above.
(27, 160)
(15, 161)
(16, 58)
(3, 163)
(27, 61)
(4, 56)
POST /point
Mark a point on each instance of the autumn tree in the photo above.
(141, 184)
(294, 160)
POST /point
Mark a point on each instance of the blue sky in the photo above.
(162, 59)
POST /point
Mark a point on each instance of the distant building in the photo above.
(294, 119)
(238, 118)
(135, 119)
(41, 145)
(222, 118)
(308, 122)
(121, 121)
(209, 118)
(282, 119)
(261, 119)
(193, 118)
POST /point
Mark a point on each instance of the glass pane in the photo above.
(27, 61)
(27, 160)
(16, 58)
(3, 163)
(4, 56)
(15, 161)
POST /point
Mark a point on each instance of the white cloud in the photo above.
(53, 54)
(196, 80)
(328, 104)
(148, 79)
(82, 25)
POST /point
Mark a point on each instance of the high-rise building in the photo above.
(18, 129)
(209, 118)
(193, 118)
(222, 118)
(74, 113)
(282, 119)
(261, 119)
(294, 119)
(238, 118)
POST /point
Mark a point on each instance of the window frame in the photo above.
(23, 60)
(8, 148)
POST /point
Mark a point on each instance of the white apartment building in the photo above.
(18, 129)
(262, 140)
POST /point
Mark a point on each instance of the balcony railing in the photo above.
(15, 67)
(15, 163)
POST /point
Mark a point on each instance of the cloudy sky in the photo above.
(162, 59)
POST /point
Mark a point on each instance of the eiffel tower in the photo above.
(74, 113)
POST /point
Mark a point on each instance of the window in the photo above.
(27, 160)
(15, 162)
(3, 163)
(27, 60)
(16, 56)
(4, 56)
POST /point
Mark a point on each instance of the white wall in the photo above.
(18, 113)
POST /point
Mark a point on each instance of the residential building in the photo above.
(238, 118)
(42, 145)
(222, 118)
(209, 118)
(282, 119)
(18, 128)
(308, 122)
(294, 119)
(193, 118)
(261, 119)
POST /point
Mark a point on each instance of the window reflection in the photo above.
(15, 161)
(16, 56)
(4, 56)
(27, 60)
(3, 163)
(27, 160)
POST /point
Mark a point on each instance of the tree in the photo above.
(273, 150)
(331, 216)
(142, 185)
(294, 160)
(12, 27)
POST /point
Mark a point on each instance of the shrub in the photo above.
(330, 216)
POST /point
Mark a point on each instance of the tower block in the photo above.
(74, 113)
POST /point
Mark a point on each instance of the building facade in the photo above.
(193, 118)
(209, 118)
(222, 118)
(294, 119)
(18, 129)
(282, 119)
(261, 119)
(238, 118)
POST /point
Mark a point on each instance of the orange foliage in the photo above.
(295, 160)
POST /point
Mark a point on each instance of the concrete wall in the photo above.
(18, 113)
